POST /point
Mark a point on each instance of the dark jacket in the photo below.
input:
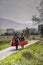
(15, 38)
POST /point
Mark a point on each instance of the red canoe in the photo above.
(20, 43)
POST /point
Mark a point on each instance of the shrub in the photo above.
(28, 55)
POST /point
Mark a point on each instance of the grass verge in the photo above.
(4, 44)
(33, 55)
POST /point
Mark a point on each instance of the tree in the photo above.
(35, 19)
(40, 10)
(39, 19)
(42, 31)
(26, 32)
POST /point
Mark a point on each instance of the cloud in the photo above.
(18, 10)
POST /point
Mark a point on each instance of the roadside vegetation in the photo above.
(33, 55)
(5, 42)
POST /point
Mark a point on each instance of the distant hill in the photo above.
(6, 24)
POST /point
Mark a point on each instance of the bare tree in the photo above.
(40, 10)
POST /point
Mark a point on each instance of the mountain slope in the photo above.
(5, 23)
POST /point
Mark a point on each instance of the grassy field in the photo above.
(33, 55)
(5, 42)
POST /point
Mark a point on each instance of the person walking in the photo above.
(22, 39)
(16, 40)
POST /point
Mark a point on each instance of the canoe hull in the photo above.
(20, 43)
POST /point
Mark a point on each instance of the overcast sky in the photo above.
(18, 10)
